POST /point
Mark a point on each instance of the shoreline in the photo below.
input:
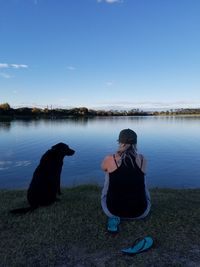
(84, 112)
(99, 186)
(50, 117)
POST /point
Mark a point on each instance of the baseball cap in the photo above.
(127, 136)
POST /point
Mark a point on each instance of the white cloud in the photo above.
(12, 66)
(18, 66)
(109, 83)
(149, 104)
(71, 68)
(110, 1)
(4, 65)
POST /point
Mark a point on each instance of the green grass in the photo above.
(72, 232)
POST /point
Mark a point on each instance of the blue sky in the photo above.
(100, 53)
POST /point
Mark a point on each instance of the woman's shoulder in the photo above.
(108, 157)
(106, 162)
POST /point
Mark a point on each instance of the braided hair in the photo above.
(127, 152)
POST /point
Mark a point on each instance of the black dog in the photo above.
(45, 184)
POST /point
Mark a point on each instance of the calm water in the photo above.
(170, 144)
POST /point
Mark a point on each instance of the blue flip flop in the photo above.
(140, 245)
(113, 224)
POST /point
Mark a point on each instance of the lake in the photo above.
(170, 144)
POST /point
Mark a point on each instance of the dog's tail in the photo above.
(22, 210)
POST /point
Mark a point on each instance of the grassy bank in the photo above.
(72, 232)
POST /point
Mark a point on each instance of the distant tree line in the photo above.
(7, 110)
(180, 111)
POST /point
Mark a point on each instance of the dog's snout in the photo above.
(72, 152)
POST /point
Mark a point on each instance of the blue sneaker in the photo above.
(113, 224)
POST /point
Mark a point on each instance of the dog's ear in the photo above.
(63, 149)
(60, 146)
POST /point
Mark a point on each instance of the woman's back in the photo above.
(126, 191)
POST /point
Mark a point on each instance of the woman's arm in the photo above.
(105, 163)
(108, 164)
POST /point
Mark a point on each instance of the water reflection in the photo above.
(12, 164)
(171, 144)
(5, 126)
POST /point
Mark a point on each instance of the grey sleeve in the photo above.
(105, 187)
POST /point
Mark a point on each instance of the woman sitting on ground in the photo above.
(125, 194)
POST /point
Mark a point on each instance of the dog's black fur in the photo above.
(45, 184)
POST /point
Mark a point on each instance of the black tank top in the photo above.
(126, 196)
